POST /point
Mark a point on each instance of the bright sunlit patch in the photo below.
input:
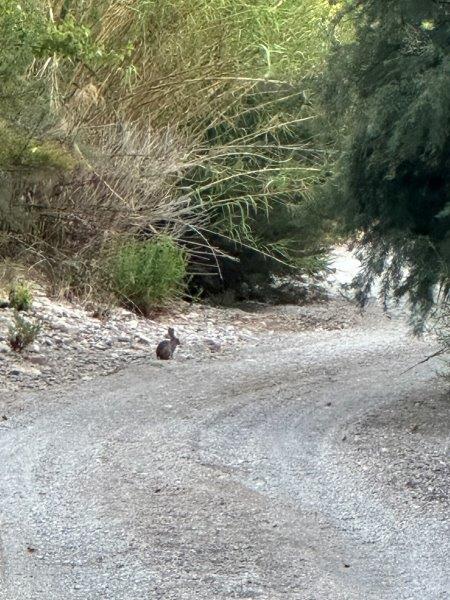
(427, 25)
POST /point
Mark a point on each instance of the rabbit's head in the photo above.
(174, 341)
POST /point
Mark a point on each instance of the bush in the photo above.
(148, 274)
(20, 296)
(22, 333)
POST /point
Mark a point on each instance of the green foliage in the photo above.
(20, 296)
(29, 33)
(28, 154)
(75, 41)
(22, 153)
(148, 274)
(21, 24)
(23, 99)
(32, 46)
(224, 83)
(22, 332)
(256, 183)
(389, 90)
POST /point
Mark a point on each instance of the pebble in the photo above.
(24, 370)
(37, 360)
(213, 345)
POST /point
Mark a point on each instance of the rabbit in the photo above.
(166, 348)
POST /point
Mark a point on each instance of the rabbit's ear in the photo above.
(171, 332)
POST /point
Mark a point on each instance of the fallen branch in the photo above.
(438, 353)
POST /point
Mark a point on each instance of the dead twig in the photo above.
(421, 362)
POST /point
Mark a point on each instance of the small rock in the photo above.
(213, 346)
(64, 327)
(38, 359)
(142, 338)
(24, 370)
(101, 346)
(4, 348)
(102, 313)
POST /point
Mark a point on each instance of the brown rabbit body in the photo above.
(166, 348)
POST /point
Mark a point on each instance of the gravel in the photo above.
(284, 454)
(73, 343)
(277, 471)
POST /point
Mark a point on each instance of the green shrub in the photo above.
(20, 296)
(22, 332)
(148, 274)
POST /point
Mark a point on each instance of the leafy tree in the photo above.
(388, 91)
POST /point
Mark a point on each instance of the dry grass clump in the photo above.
(181, 62)
(124, 185)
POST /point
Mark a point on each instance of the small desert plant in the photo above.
(22, 332)
(148, 274)
(20, 296)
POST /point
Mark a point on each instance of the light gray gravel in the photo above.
(298, 469)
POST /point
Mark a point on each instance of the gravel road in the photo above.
(306, 467)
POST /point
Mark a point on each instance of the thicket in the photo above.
(188, 119)
(387, 96)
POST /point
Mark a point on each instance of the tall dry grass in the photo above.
(184, 61)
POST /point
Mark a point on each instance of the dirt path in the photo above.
(304, 468)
